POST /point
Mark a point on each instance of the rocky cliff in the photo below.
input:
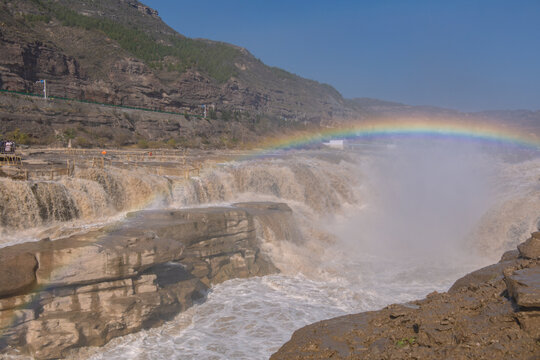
(120, 52)
(492, 313)
(89, 288)
(56, 121)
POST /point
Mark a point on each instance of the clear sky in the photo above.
(461, 54)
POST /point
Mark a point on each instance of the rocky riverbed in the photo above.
(491, 313)
(89, 288)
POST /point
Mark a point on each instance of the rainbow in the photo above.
(431, 128)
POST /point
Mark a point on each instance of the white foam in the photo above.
(349, 270)
(252, 318)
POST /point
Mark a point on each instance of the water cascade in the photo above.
(366, 229)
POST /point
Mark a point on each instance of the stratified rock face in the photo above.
(492, 313)
(93, 64)
(86, 289)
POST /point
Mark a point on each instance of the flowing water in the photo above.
(34, 210)
(376, 226)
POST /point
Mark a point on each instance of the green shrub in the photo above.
(69, 134)
(122, 139)
(33, 18)
(156, 144)
(81, 141)
(226, 115)
(142, 144)
(19, 137)
(405, 341)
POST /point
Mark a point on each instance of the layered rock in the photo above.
(143, 9)
(89, 288)
(86, 63)
(491, 313)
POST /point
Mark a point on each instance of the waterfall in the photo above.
(91, 195)
(311, 185)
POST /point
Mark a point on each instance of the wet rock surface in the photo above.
(18, 272)
(492, 313)
(87, 289)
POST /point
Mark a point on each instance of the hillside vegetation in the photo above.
(178, 54)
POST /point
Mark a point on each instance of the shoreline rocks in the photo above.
(492, 313)
(86, 289)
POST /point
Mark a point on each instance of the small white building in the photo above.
(335, 144)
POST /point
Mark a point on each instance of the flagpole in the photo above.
(44, 82)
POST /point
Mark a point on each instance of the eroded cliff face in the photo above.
(85, 62)
(492, 313)
(87, 289)
(123, 80)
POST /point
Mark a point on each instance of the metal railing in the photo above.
(102, 104)
(10, 160)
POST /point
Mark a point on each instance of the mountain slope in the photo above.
(120, 52)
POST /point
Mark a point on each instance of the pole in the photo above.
(44, 82)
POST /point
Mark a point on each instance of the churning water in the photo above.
(379, 227)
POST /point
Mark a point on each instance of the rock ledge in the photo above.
(87, 289)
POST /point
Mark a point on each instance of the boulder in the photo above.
(530, 249)
(18, 272)
(524, 286)
(489, 273)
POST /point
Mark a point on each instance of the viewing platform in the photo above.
(10, 159)
(52, 164)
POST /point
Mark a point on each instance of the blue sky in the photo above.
(467, 55)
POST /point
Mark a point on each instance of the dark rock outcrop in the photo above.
(142, 9)
(492, 313)
(87, 289)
